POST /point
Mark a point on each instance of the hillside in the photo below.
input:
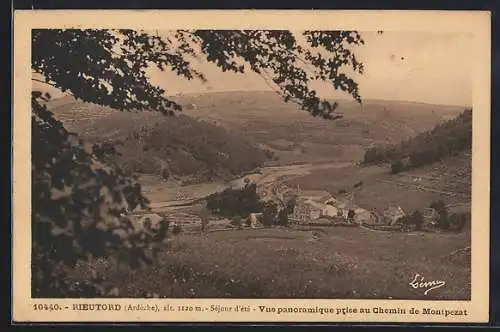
(445, 139)
(295, 136)
(448, 179)
(435, 164)
(153, 144)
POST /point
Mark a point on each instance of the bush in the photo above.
(269, 213)
(282, 218)
(417, 219)
(290, 205)
(235, 202)
(443, 222)
(397, 167)
(165, 174)
(458, 221)
(350, 215)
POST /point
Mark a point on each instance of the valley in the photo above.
(275, 145)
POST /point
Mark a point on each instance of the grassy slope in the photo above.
(445, 139)
(450, 175)
(295, 136)
(285, 263)
(189, 147)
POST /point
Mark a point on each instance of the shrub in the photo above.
(290, 205)
(443, 222)
(269, 213)
(417, 219)
(397, 167)
(235, 202)
(282, 218)
(374, 155)
(458, 221)
(350, 215)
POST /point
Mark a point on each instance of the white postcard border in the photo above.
(477, 23)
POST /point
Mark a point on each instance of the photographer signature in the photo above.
(418, 282)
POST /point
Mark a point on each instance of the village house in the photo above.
(392, 214)
(305, 211)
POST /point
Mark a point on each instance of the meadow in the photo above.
(449, 180)
(327, 262)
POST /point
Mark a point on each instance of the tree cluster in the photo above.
(239, 203)
(445, 221)
(189, 147)
(445, 139)
(235, 202)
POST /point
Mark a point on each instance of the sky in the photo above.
(412, 66)
(408, 66)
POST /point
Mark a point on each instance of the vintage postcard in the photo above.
(251, 166)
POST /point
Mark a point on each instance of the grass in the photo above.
(285, 263)
(148, 142)
(380, 189)
(296, 136)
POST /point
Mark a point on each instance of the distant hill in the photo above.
(295, 136)
(262, 119)
(153, 144)
(447, 138)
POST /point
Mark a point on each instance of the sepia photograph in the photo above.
(253, 163)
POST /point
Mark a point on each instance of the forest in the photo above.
(182, 146)
(445, 139)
